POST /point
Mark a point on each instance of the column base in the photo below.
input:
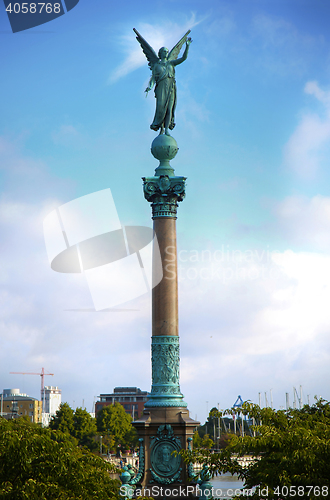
(165, 401)
(165, 430)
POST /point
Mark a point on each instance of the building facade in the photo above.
(15, 405)
(131, 398)
(51, 399)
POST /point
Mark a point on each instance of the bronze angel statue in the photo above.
(163, 76)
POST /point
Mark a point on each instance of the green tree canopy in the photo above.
(292, 449)
(207, 442)
(43, 464)
(78, 424)
(113, 420)
(84, 428)
(197, 440)
(63, 420)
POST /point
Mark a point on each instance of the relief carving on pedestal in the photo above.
(165, 466)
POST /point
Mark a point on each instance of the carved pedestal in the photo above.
(165, 430)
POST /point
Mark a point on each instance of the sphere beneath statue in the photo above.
(164, 148)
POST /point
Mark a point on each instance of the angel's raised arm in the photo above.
(184, 55)
(147, 49)
(176, 50)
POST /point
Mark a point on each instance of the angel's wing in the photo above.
(147, 49)
(176, 49)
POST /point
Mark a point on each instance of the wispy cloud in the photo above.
(68, 136)
(26, 177)
(281, 48)
(305, 221)
(260, 309)
(36, 328)
(157, 35)
(304, 151)
(254, 309)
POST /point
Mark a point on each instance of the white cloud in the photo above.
(40, 325)
(248, 320)
(166, 34)
(305, 150)
(27, 178)
(265, 315)
(313, 88)
(221, 27)
(40, 320)
(305, 222)
(301, 307)
(251, 323)
(191, 113)
(249, 308)
(281, 48)
(278, 32)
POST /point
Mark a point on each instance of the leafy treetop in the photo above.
(44, 464)
(291, 447)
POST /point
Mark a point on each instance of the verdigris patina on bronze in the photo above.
(165, 466)
(163, 76)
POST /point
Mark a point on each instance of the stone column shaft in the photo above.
(164, 192)
(165, 294)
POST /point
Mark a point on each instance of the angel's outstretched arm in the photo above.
(150, 84)
(184, 55)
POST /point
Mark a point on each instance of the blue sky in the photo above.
(253, 128)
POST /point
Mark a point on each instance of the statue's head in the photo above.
(165, 454)
(163, 53)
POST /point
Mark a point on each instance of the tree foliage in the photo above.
(84, 428)
(197, 440)
(63, 420)
(224, 440)
(44, 464)
(292, 449)
(113, 420)
(79, 424)
(205, 442)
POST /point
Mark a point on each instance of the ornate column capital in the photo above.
(164, 192)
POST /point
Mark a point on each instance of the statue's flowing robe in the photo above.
(165, 93)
